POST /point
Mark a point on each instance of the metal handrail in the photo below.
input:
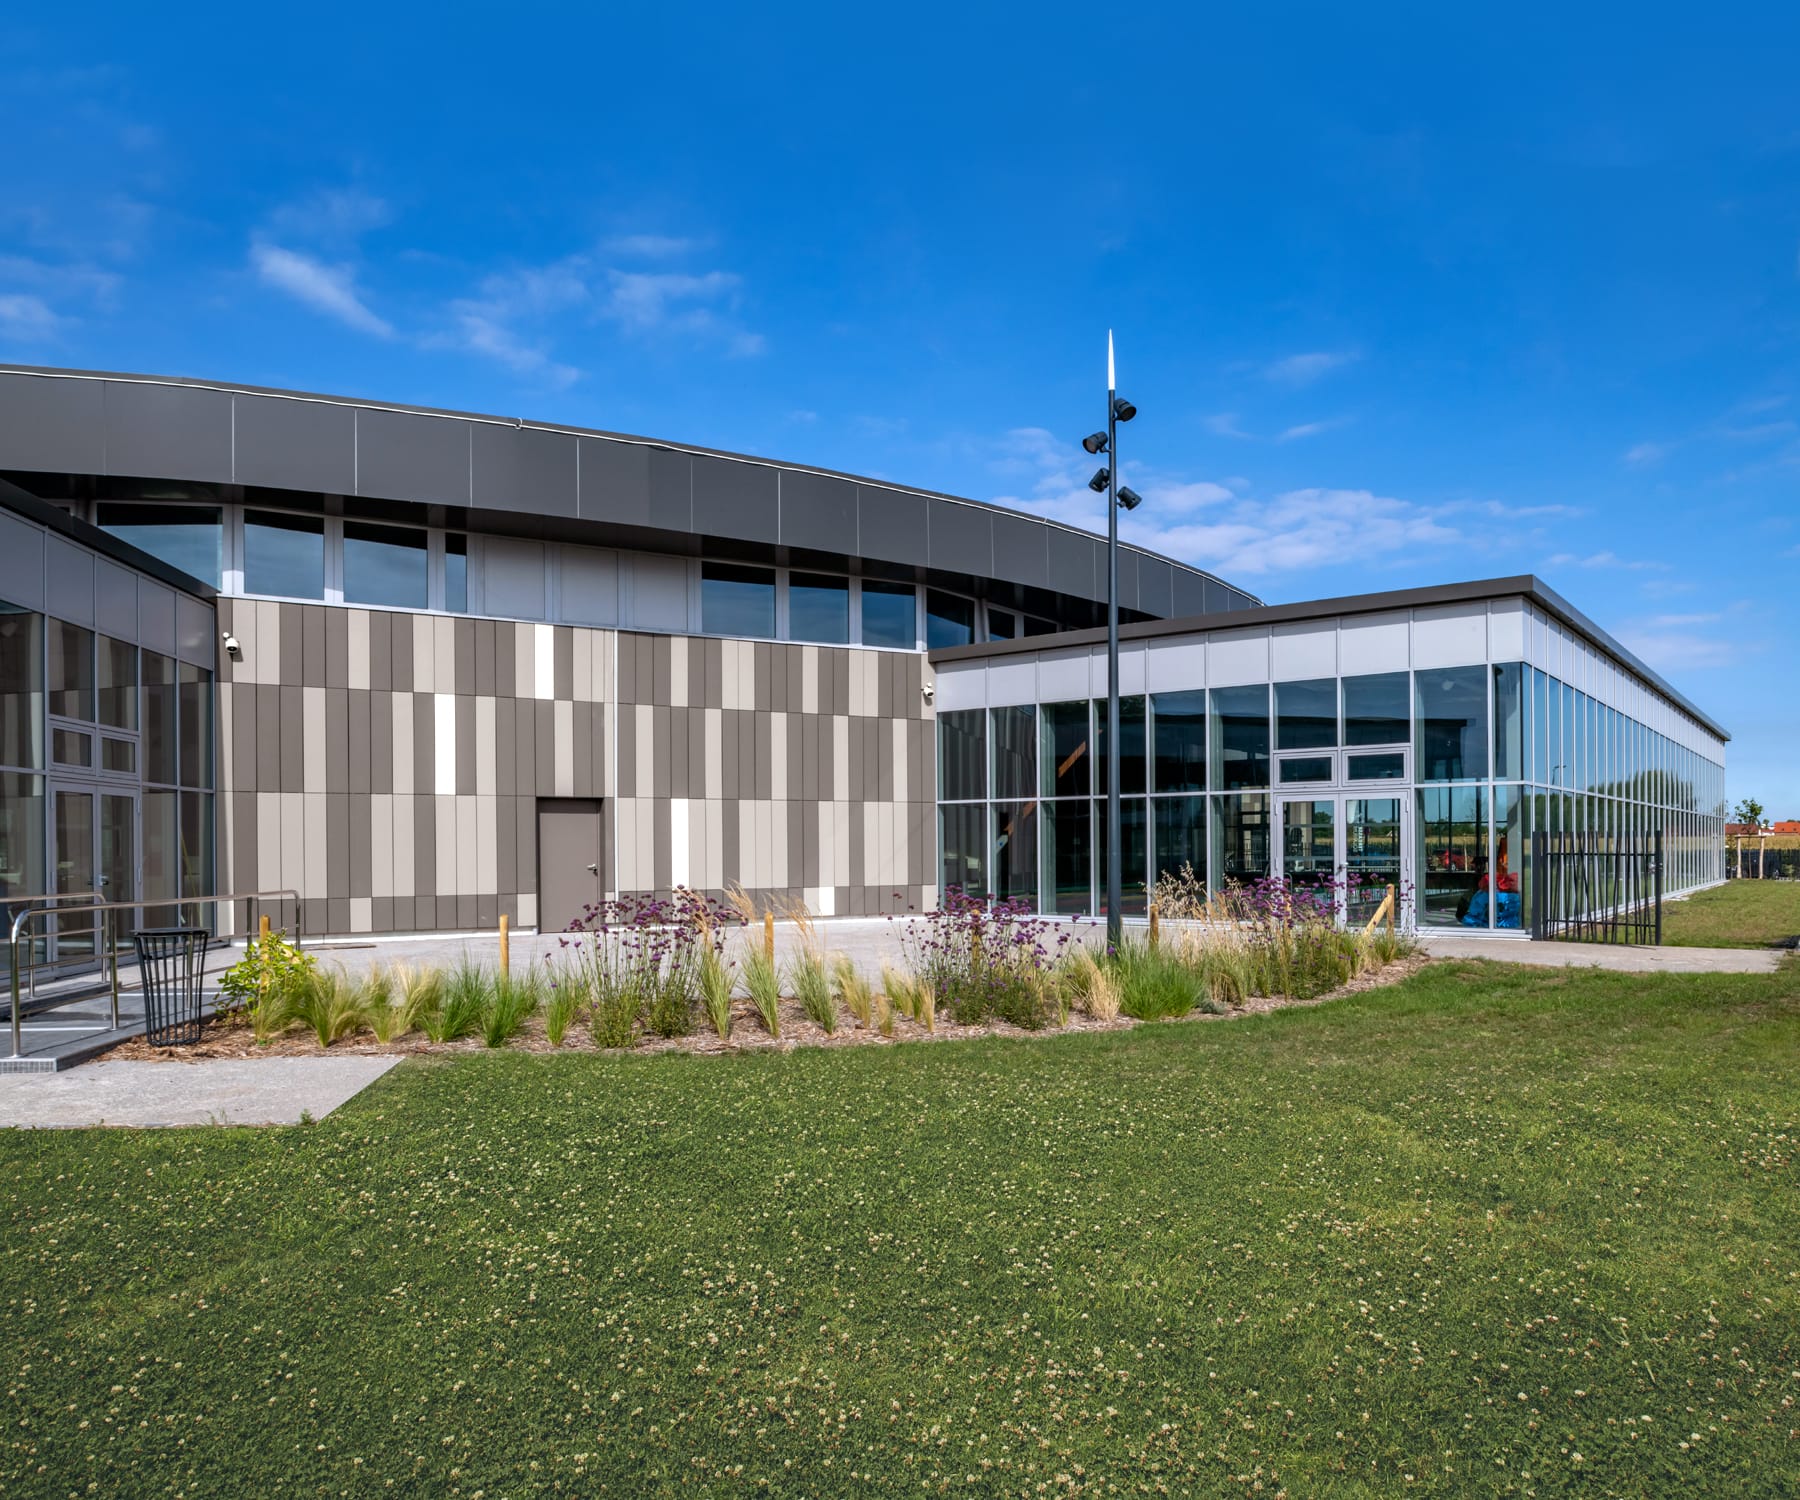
(48, 898)
(22, 922)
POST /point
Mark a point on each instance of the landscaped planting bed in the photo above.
(1490, 1231)
(686, 974)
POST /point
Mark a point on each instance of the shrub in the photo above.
(901, 990)
(762, 982)
(853, 990)
(459, 1010)
(1096, 988)
(266, 983)
(715, 991)
(638, 959)
(884, 1016)
(1155, 982)
(925, 1008)
(812, 988)
(559, 1010)
(418, 993)
(983, 959)
(507, 1002)
(380, 1012)
(329, 1006)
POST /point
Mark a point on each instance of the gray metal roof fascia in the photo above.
(1523, 585)
(229, 387)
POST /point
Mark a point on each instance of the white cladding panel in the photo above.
(1450, 635)
(1304, 650)
(513, 578)
(1374, 643)
(1235, 657)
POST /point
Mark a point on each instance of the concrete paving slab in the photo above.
(1622, 957)
(216, 1091)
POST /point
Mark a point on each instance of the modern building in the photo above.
(428, 668)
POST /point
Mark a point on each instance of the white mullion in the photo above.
(334, 559)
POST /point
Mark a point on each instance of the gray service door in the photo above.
(569, 860)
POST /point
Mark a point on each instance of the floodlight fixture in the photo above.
(1098, 484)
(1094, 442)
(1122, 409)
(1129, 499)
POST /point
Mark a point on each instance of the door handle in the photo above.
(593, 869)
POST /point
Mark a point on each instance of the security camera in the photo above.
(232, 648)
(930, 691)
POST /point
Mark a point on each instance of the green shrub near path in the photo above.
(1493, 1231)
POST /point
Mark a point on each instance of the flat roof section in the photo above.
(1524, 585)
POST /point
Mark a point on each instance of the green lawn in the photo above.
(1495, 1231)
(1741, 914)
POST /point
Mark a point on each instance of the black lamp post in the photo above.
(1107, 480)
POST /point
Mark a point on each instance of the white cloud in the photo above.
(1604, 560)
(27, 318)
(1311, 429)
(1210, 525)
(1224, 424)
(1304, 369)
(646, 301)
(331, 216)
(803, 416)
(650, 246)
(1669, 644)
(1643, 455)
(1759, 432)
(325, 288)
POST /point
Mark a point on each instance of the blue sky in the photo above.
(1403, 297)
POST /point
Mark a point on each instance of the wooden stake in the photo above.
(505, 947)
(1155, 924)
(769, 936)
(1386, 909)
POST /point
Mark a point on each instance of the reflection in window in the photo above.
(456, 573)
(1015, 751)
(1306, 715)
(736, 600)
(962, 750)
(71, 671)
(183, 536)
(1509, 720)
(1065, 761)
(21, 688)
(1013, 874)
(964, 841)
(1452, 852)
(888, 615)
(949, 620)
(1131, 746)
(1180, 741)
(1300, 768)
(284, 555)
(1134, 857)
(1180, 836)
(1068, 856)
(1240, 747)
(1378, 709)
(161, 876)
(118, 683)
(1453, 720)
(1002, 624)
(159, 721)
(1240, 838)
(196, 708)
(71, 747)
(819, 608)
(21, 841)
(385, 565)
(1389, 765)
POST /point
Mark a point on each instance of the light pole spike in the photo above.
(1112, 381)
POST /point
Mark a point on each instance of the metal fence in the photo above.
(1753, 863)
(1597, 887)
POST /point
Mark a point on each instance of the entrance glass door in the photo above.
(72, 863)
(1373, 844)
(1309, 847)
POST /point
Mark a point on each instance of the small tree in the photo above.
(1750, 811)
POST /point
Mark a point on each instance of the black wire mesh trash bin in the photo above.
(171, 965)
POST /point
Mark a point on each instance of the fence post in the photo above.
(1539, 874)
(505, 947)
(1659, 887)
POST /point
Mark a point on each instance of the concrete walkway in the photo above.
(871, 941)
(1630, 960)
(211, 1091)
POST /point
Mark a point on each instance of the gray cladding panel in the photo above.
(1021, 551)
(615, 482)
(168, 431)
(68, 581)
(115, 600)
(1074, 564)
(406, 456)
(522, 469)
(735, 499)
(891, 525)
(962, 537)
(672, 488)
(295, 445)
(51, 425)
(818, 512)
(21, 558)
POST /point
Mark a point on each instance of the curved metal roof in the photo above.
(555, 479)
